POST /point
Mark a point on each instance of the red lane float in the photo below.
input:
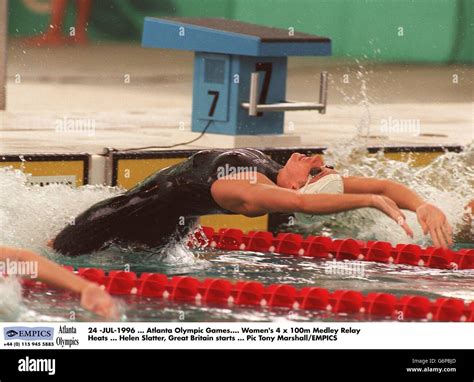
(152, 285)
(231, 239)
(183, 288)
(216, 291)
(92, 274)
(346, 301)
(280, 295)
(380, 304)
(313, 298)
(414, 307)
(254, 294)
(121, 282)
(248, 293)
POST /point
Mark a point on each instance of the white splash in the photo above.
(10, 299)
(446, 182)
(31, 215)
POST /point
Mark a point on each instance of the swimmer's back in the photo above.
(154, 210)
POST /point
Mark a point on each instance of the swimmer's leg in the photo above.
(92, 230)
(124, 219)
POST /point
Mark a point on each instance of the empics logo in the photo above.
(11, 333)
(32, 365)
(28, 334)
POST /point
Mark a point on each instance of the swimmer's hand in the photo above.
(434, 221)
(390, 208)
(98, 301)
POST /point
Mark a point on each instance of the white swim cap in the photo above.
(328, 184)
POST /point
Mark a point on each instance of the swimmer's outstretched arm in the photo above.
(254, 199)
(430, 217)
(93, 297)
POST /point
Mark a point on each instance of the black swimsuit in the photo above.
(165, 204)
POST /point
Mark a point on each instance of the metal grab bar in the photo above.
(254, 107)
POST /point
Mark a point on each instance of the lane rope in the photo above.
(222, 292)
(231, 239)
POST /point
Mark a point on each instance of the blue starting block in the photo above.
(240, 71)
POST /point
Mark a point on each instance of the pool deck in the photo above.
(51, 87)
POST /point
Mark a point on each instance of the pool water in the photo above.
(35, 214)
(265, 268)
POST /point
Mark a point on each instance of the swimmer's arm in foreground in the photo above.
(430, 217)
(261, 197)
(93, 298)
